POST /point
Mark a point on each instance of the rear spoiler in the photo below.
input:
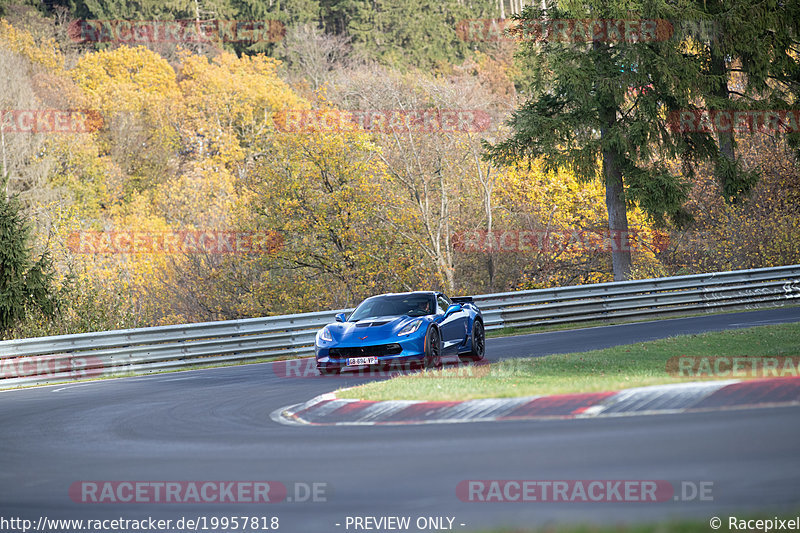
(462, 300)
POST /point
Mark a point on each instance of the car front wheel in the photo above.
(433, 350)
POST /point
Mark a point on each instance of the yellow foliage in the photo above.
(203, 196)
(561, 204)
(127, 80)
(328, 196)
(23, 43)
(230, 100)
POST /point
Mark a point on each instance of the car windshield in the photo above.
(394, 305)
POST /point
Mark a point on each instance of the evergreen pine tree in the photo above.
(26, 284)
(749, 53)
(600, 106)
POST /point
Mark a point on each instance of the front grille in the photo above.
(366, 351)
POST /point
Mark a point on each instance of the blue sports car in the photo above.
(403, 329)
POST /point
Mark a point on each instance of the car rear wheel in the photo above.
(433, 350)
(329, 371)
(478, 343)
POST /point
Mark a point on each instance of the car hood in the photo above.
(373, 328)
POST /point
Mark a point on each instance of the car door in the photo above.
(453, 328)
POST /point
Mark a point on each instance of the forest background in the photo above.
(203, 176)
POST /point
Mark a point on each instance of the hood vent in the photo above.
(369, 324)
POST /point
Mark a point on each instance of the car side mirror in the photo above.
(340, 317)
(454, 308)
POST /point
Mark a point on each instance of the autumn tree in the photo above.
(763, 231)
(327, 195)
(135, 90)
(225, 126)
(25, 71)
(434, 160)
(314, 56)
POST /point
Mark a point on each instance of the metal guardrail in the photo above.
(137, 351)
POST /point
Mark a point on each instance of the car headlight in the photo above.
(324, 334)
(411, 327)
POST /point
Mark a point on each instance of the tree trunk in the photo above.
(727, 143)
(617, 216)
(615, 191)
(487, 184)
(444, 248)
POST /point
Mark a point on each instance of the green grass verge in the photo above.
(512, 331)
(621, 367)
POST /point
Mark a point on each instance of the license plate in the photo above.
(356, 361)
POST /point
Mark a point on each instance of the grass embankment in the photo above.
(621, 367)
(544, 328)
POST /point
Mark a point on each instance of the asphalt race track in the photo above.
(215, 425)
